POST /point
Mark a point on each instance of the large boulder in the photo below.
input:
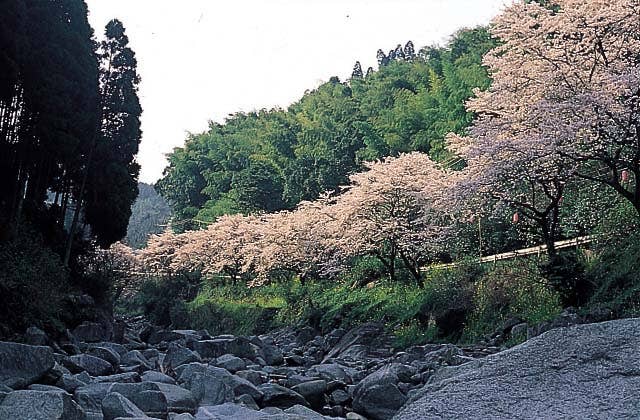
(377, 396)
(179, 400)
(21, 364)
(208, 385)
(312, 391)
(93, 365)
(582, 371)
(279, 396)
(231, 363)
(177, 355)
(115, 405)
(40, 405)
(147, 396)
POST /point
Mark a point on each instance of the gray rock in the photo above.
(377, 396)
(177, 356)
(125, 378)
(272, 355)
(94, 366)
(227, 411)
(70, 382)
(157, 337)
(313, 392)
(153, 376)
(146, 395)
(304, 412)
(91, 332)
(330, 372)
(208, 385)
(584, 371)
(115, 347)
(253, 376)
(238, 346)
(247, 401)
(115, 405)
(279, 396)
(339, 397)
(231, 363)
(183, 416)
(107, 354)
(179, 400)
(21, 364)
(90, 397)
(34, 336)
(135, 359)
(40, 405)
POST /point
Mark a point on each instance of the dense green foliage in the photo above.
(69, 133)
(466, 303)
(149, 215)
(272, 159)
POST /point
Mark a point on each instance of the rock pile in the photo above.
(185, 374)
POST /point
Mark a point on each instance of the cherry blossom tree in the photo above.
(158, 257)
(567, 82)
(221, 248)
(564, 104)
(396, 211)
(302, 242)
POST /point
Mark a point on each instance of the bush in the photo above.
(615, 275)
(514, 289)
(161, 298)
(447, 299)
(33, 283)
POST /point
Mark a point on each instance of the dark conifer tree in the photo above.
(383, 60)
(357, 71)
(399, 52)
(409, 51)
(115, 183)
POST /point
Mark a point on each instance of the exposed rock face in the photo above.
(583, 371)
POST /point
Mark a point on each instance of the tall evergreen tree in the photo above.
(357, 71)
(399, 52)
(118, 141)
(409, 51)
(383, 60)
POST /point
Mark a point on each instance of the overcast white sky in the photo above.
(201, 60)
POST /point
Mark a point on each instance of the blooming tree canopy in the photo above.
(564, 103)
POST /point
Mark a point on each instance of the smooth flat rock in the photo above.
(584, 371)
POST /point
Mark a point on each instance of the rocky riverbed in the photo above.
(140, 371)
(144, 371)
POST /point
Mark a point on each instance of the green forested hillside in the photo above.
(273, 159)
(149, 214)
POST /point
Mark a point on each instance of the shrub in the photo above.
(615, 275)
(33, 282)
(513, 289)
(159, 298)
(447, 299)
